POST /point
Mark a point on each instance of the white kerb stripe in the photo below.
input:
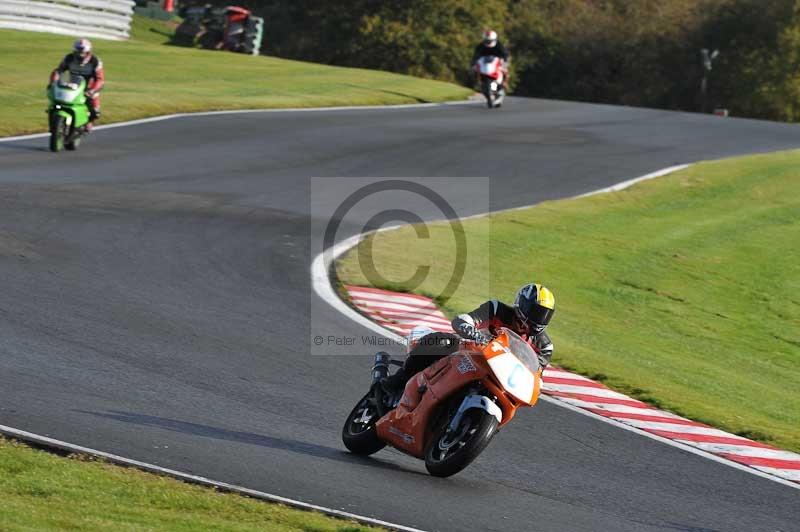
(684, 429)
(421, 313)
(620, 409)
(415, 301)
(565, 375)
(412, 320)
(788, 474)
(599, 392)
(744, 450)
(411, 324)
(395, 306)
(406, 314)
(581, 404)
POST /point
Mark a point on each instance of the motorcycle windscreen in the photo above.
(516, 367)
(488, 65)
(68, 88)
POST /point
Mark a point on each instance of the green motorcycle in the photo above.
(68, 113)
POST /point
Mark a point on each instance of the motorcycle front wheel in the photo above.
(450, 452)
(359, 434)
(486, 89)
(58, 130)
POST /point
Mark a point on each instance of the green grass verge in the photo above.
(683, 291)
(42, 491)
(146, 77)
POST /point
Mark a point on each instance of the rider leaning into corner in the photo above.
(82, 62)
(491, 46)
(528, 317)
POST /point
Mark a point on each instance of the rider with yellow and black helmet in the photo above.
(529, 316)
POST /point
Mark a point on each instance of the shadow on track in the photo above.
(284, 444)
(13, 146)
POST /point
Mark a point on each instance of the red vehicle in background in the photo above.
(230, 28)
(235, 21)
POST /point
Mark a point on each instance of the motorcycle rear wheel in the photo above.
(359, 433)
(72, 146)
(447, 454)
(58, 130)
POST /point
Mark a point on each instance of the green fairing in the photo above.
(71, 100)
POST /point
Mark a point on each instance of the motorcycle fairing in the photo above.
(406, 427)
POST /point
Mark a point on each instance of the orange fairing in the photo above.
(507, 367)
(407, 426)
(515, 367)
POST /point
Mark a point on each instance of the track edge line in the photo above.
(171, 116)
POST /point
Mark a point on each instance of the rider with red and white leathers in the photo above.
(491, 46)
(529, 316)
(82, 62)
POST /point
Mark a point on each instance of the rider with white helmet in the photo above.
(491, 46)
(82, 62)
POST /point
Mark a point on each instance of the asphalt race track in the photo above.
(155, 301)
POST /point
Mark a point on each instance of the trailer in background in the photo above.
(230, 28)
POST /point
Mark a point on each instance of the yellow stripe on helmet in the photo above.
(545, 297)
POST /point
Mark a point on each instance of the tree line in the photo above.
(629, 52)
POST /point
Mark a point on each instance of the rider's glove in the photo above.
(481, 339)
(471, 333)
(91, 93)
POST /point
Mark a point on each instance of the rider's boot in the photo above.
(94, 114)
(395, 383)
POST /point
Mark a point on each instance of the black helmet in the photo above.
(535, 305)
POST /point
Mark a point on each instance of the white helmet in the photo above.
(82, 47)
(489, 38)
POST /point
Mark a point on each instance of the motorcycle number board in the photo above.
(517, 380)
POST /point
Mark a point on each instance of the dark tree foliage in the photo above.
(630, 52)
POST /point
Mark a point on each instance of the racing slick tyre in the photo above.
(448, 453)
(486, 89)
(359, 434)
(58, 130)
(73, 145)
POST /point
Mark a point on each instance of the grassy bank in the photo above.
(41, 491)
(682, 291)
(147, 77)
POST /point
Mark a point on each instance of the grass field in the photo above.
(147, 77)
(41, 491)
(683, 291)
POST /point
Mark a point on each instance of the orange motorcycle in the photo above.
(448, 413)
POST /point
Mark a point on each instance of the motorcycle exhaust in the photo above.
(380, 369)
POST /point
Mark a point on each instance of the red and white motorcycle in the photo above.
(492, 74)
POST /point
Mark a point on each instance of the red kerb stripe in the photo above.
(574, 382)
(596, 399)
(644, 417)
(766, 462)
(351, 288)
